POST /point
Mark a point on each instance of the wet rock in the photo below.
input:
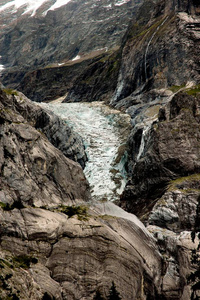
(151, 46)
(169, 150)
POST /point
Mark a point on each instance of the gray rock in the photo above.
(168, 149)
(33, 171)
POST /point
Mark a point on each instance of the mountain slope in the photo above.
(54, 244)
(34, 39)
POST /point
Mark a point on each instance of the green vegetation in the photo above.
(98, 296)
(180, 183)
(8, 207)
(10, 92)
(5, 263)
(79, 211)
(113, 294)
(176, 88)
(140, 30)
(194, 91)
(23, 261)
(20, 261)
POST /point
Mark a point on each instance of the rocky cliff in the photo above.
(53, 244)
(158, 85)
(159, 50)
(33, 39)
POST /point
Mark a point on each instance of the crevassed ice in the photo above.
(99, 130)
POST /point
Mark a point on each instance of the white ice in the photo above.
(102, 140)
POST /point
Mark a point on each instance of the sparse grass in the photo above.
(10, 92)
(194, 91)
(176, 88)
(8, 207)
(5, 263)
(23, 261)
(80, 211)
(179, 183)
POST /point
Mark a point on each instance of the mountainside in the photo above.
(45, 253)
(56, 245)
(30, 39)
(55, 241)
(159, 50)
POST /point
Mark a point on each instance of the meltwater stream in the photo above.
(104, 131)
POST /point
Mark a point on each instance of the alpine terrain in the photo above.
(100, 149)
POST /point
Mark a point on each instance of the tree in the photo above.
(98, 296)
(113, 293)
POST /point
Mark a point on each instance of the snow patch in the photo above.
(1, 68)
(76, 58)
(58, 4)
(31, 5)
(119, 3)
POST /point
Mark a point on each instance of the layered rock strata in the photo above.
(52, 244)
(33, 171)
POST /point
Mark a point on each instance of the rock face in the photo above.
(32, 169)
(48, 254)
(170, 151)
(34, 40)
(71, 259)
(160, 32)
(45, 253)
(97, 81)
(56, 245)
(152, 45)
(56, 130)
(46, 84)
